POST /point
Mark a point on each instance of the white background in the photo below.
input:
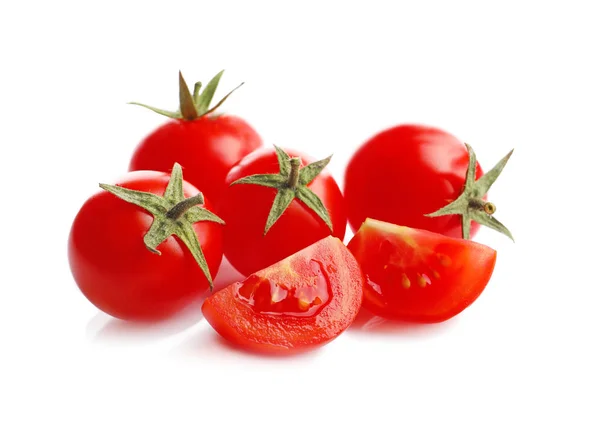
(322, 77)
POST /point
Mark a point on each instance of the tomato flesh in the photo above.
(301, 302)
(419, 276)
(206, 148)
(266, 296)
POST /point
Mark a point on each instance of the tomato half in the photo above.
(116, 271)
(206, 148)
(419, 276)
(245, 209)
(405, 172)
(303, 301)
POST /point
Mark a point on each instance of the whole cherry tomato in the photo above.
(405, 172)
(416, 275)
(274, 207)
(118, 235)
(206, 144)
(303, 301)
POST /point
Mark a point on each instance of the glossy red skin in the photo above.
(274, 333)
(245, 209)
(405, 172)
(118, 274)
(206, 148)
(457, 271)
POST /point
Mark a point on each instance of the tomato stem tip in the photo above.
(470, 205)
(180, 208)
(294, 172)
(193, 105)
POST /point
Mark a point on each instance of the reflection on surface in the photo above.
(206, 342)
(103, 327)
(368, 323)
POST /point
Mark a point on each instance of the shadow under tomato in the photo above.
(367, 323)
(103, 327)
(209, 342)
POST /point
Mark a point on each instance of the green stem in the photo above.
(186, 101)
(197, 87)
(178, 210)
(488, 207)
(476, 203)
(294, 172)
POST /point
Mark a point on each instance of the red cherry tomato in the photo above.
(115, 270)
(303, 301)
(419, 276)
(245, 209)
(206, 148)
(405, 172)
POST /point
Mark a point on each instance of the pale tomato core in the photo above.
(269, 297)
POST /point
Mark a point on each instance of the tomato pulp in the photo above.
(301, 302)
(419, 276)
(405, 172)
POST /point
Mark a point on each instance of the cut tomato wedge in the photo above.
(419, 276)
(303, 301)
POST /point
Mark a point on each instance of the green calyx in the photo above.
(470, 204)
(196, 105)
(173, 215)
(291, 183)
